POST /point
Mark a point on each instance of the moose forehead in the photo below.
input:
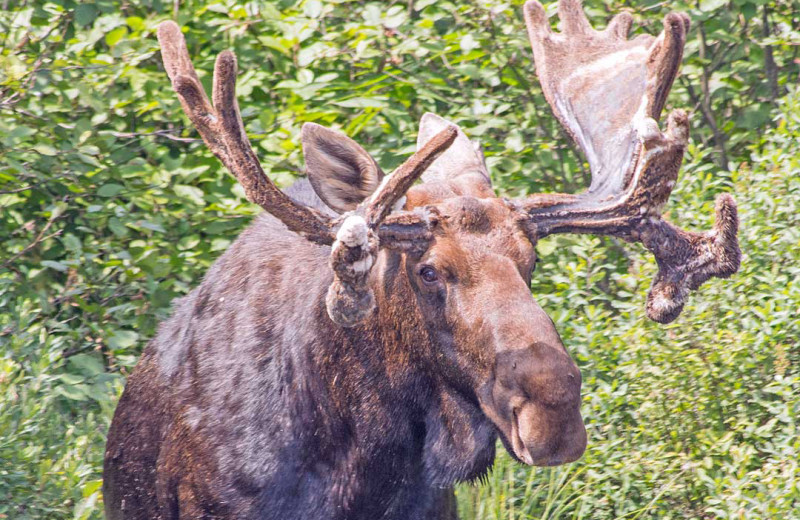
(473, 228)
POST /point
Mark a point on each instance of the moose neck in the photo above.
(363, 406)
(383, 396)
(381, 364)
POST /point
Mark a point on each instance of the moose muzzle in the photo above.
(534, 397)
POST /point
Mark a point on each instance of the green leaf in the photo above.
(135, 23)
(711, 5)
(113, 37)
(312, 8)
(468, 43)
(117, 227)
(110, 190)
(85, 14)
(72, 243)
(45, 149)
(87, 364)
(58, 266)
(122, 339)
(71, 379)
(361, 102)
(73, 392)
(152, 226)
(190, 192)
(546, 247)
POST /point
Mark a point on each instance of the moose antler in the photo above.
(354, 237)
(608, 91)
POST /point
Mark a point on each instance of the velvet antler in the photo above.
(221, 128)
(354, 237)
(608, 91)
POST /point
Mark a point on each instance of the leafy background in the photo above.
(110, 207)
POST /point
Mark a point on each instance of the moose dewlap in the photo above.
(364, 343)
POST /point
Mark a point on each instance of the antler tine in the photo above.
(573, 19)
(222, 129)
(608, 91)
(620, 25)
(664, 61)
(394, 186)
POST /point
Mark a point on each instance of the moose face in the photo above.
(492, 340)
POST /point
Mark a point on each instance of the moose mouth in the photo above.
(567, 446)
(518, 447)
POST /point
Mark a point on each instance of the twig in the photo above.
(769, 60)
(17, 190)
(705, 105)
(158, 133)
(36, 241)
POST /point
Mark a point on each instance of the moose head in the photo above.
(434, 277)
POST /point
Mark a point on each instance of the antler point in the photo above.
(168, 25)
(535, 19)
(726, 215)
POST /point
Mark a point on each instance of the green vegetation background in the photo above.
(110, 208)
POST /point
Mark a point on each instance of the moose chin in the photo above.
(363, 344)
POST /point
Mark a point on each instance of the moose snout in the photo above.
(542, 372)
(537, 398)
(544, 437)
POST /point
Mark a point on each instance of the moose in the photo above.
(363, 344)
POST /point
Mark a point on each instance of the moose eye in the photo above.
(428, 274)
(535, 263)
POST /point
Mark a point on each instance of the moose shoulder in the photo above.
(361, 347)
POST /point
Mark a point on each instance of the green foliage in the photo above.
(110, 207)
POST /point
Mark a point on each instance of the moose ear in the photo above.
(463, 156)
(340, 171)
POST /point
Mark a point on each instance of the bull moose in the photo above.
(362, 345)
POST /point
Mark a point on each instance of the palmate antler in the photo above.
(608, 92)
(354, 237)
